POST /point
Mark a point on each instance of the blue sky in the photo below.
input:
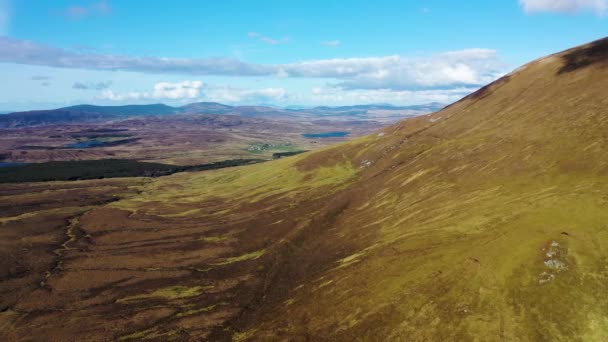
(64, 52)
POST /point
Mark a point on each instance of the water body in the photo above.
(92, 143)
(88, 144)
(325, 135)
(10, 164)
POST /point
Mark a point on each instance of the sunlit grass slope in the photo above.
(486, 221)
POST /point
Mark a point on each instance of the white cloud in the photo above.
(162, 91)
(267, 40)
(198, 91)
(464, 67)
(227, 94)
(176, 91)
(564, 6)
(334, 96)
(4, 17)
(27, 52)
(331, 43)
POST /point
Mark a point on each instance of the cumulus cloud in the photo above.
(564, 6)
(197, 90)
(464, 67)
(267, 40)
(82, 11)
(162, 90)
(336, 96)
(228, 94)
(330, 42)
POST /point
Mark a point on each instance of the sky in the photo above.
(281, 53)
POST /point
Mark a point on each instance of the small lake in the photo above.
(105, 141)
(88, 144)
(10, 164)
(325, 135)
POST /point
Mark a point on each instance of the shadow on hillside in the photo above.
(486, 90)
(596, 52)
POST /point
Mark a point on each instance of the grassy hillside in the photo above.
(485, 221)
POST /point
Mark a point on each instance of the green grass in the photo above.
(263, 148)
(245, 257)
(251, 183)
(214, 238)
(137, 335)
(196, 311)
(172, 292)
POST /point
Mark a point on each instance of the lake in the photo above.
(9, 164)
(325, 135)
(88, 144)
(105, 141)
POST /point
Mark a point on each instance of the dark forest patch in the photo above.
(103, 168)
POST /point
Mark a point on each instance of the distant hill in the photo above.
(128, 110)
(81, 113)
(206, 108)
(90, 113)
(50, 117)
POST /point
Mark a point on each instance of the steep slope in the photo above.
(485, 221)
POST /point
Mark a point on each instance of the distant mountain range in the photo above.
(88, 113)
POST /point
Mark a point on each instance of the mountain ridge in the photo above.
(89, 113)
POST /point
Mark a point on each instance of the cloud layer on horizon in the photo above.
(471, 67)
(338, 96)
(197, 91)
(161, 90)
(564, 6)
